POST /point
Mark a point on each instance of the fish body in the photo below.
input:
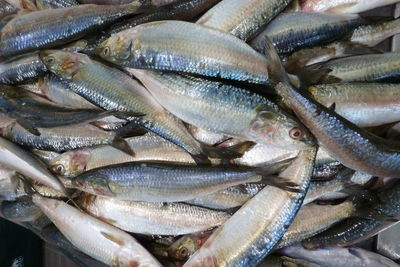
(364, 104)
(186, 47)
(46, 4)
(242, 114)
(156, 182)
(153, 218)
(290, 32)
(99, 240)
(21, 210)
(7, 9)
(252, 232)
(243, 19)
(52, 27)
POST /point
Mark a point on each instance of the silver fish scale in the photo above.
(21, 68)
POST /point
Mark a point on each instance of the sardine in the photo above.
(261, 227)
(290, 32)
(385, 204)
(113, 90)
(21, 68)
(187, 47)
(243, 19)
(99, 240)
(241, 114)
(356, 148)
(361, 68)
(52, 27)
(337, 257)
(364, 104)
(149, 147)
(14, 157)
(153, 218)
(161, 182)
(343, 6)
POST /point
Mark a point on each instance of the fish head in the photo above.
(116, 49)
(71, 163)
(184, 247)
(96, 184)
(63, 64)
(279, 129)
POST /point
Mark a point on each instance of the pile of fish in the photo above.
(201, 132)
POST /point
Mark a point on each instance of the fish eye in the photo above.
(183, 252)
(295, 133)
(58, 169)
(50, 60)
(106, 51)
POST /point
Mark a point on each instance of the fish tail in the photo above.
(279, 182)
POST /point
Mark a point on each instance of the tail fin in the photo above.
(281, 182)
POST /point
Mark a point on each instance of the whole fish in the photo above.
(186, 10)
(337, 257)
(21, 210)
(243, 19)
(21, 68)
(385, 205)
(313, 219)
(231, 197)
(241, 113)
(343, 6)
(360, 68)
(14, 157)
(356, 148)
(99, 240)
(261, 227)
(52, 27)
(185, 246)
(32, 111)
(187, 47)
(149, 147)
(362, 37)
(153, 218)
(364, 104)
(290, 32)
(46, 4)
(161, 182)
(114, 90)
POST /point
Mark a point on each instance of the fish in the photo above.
(51, 27)
(354, 147)
(167, 182)
(229, 198)
(185, 10)
(148, 147)
(362, 38)
(261, 227)
(243, 19)
(241, 114)
(187, 47)
(14, 157)
(21, 210)
(360, 68)
(153, 218)
(342, 6)
(313, 219)
(380, 213)
(332, 256)
(114, 90)
(46, 4)
(21, 68)
(364, 104)
(293, 31)
(99, 240)
(32, 111)
(186, 245)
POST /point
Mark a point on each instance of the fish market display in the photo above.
(202, 133)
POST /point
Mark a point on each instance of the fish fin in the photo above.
(131, 129)
(339, 9)
(122, 145)
(280, 182)
(201, 159)
(28, 126)
(242, 147)
(351, 48)
(314, 75)
(112, 238)
(223, 153)
(332, 107)
(369, 19)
